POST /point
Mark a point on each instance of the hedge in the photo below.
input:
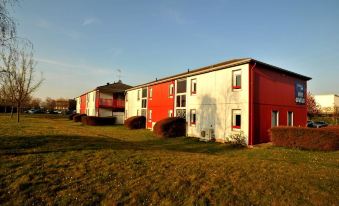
(77, 118)
(135, 122)
(325, 139)
(170, 127)
(93, 121)
(70, 117)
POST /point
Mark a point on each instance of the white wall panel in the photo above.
(214, 101)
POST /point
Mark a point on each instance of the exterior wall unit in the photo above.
(160, 102)
(90, 103)
(274, 91)
(133, 103)
(214, 101)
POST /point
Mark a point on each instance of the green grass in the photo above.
(54, 161)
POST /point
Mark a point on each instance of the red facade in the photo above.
(160, 102)
(83, 104)
(272, 90)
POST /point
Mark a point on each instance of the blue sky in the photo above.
(80, 44)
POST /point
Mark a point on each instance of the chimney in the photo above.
(107, 83)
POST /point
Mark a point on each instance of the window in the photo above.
(193, 86)
(193, 116)
(126, 97)
(170, 113)
(181, 113)
(144, 103)
(181, 86)
(138, 95)
(236, 79)
(144, 93)
(275, 118)
(126, 114)
(171, 90)
(289, 118)
(181, 100)
(150, 115)
(236, 119)
(137, 112)
(150, 93)
(143, 112)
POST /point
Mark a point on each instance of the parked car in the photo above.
(319, 124)
(309, 123)
(34, 111)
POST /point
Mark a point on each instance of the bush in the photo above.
(325, 139)
(237, 139)
(170, 127)
(136, 122)
(77, 117)
(93, 121)
(70, 117)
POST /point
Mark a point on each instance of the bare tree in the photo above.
(35, 103)
(7, 24)
(312, 106)
(18, 76)
(49, 103)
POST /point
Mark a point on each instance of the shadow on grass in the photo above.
(56, 143)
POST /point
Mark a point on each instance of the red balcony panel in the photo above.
(110, 103)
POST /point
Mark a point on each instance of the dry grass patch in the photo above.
(57, 161)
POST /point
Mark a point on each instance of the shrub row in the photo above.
(93, 121)
(77, 117)
(136, 122)
(325, 139)
(70, 117)
(170, 127)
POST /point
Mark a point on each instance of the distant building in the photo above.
(239, 95)
(329, 103)
(61, 104)
(104, 101)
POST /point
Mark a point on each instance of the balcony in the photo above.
(110, 103)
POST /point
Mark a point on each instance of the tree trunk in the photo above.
(5, 109)
(18, 113)
(12, 109)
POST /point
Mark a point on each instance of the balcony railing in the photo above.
(110, 103)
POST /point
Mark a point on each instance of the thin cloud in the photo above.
(176, 16)
(47, 25)
(79, 67)
(91, 20)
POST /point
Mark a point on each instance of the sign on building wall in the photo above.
(300, 93)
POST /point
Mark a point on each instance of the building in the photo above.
(104, 101)
(61, 104)
(240, 95)
(328, 103)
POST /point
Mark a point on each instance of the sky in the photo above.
(81, 44)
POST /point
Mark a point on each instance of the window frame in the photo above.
(150, 114)
(277, 118)
(170, 113)
(235, 113)
(193, 112)
(193, 82)
(150, 93)
(180, 96)
(288, 118)
(171, 90)
(236, 73)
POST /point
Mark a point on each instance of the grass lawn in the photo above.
(54, 161)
